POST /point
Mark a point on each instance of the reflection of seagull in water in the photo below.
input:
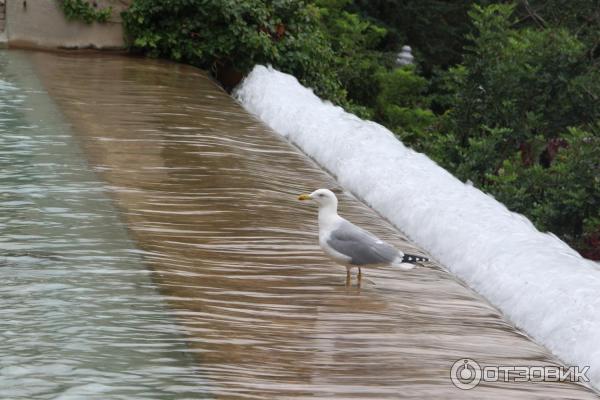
(350, 245)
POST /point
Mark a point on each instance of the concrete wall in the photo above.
(41, 23)
(2, 15)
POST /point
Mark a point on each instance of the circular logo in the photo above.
(465, 374)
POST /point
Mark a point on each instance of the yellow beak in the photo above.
(304, 197)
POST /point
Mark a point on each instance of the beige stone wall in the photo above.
(41, 23)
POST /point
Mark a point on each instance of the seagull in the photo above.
(351, 246)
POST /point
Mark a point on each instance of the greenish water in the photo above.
(79, 315)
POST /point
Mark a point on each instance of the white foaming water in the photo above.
(539, 282)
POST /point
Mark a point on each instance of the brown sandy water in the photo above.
(209, 195)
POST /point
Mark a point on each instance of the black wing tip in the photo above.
(413, 259)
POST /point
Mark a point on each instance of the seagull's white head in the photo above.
(323, 197)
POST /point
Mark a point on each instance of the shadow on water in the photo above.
(209, 196)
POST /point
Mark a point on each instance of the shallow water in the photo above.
(80, 315)
(208, 195)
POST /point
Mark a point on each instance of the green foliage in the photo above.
(522, 112)
(355, 42)
(435, 29)
(523, 79)
(225, 34)
(83, 11)
(563, 197)
(580, 17)
(402, 106)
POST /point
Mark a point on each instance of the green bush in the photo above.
(84, 11)
(525, 80)
(580, 17)
(225, 35)
(564, 197)
(403, 107)
(523, 116)
(356, 43)
(435, 29)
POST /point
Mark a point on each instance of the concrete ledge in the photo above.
(42, 24)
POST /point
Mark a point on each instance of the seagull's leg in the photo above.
(348, 276)
(359, 277)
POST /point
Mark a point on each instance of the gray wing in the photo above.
(362, 247)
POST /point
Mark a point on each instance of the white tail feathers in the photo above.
(405, 266)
